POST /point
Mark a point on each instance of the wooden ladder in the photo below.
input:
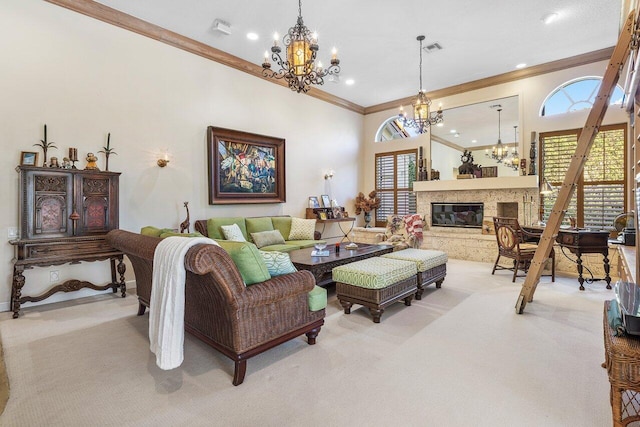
(585, 141)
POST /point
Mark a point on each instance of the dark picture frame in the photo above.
(28, 158)
(245, 167)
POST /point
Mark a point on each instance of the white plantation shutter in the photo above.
(600, 192)
(395, 174)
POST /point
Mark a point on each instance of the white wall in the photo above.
(85, 78)
(532, 92)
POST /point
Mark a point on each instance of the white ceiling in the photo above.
(376, 39)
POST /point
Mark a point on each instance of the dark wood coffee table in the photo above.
(321, 267)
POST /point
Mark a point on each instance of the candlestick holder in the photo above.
(73, 157)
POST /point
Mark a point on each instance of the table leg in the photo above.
(607, 277)
(580, 278)
(121, 270)
(16, 290)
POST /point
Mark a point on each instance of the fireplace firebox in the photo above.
(468, 215)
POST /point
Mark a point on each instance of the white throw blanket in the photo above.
(166, 314)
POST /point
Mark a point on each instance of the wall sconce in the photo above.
(163, 161)
(329, 175)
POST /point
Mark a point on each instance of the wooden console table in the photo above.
(73, 250)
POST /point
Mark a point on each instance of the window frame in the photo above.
(396, 189)
(579, 192)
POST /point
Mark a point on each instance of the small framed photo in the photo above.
(313, 202)
(337, 213)
(326, 202)
(322, 215)
(28, 158)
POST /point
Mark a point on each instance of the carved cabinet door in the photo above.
(47, 198)
(96, 203)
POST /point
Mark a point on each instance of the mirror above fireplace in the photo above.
(474, 127)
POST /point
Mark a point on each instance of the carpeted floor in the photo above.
(459, 357)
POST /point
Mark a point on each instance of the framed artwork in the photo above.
(337, 213)
(490, 172)
(28, 158)
(326, 203)
(313, 202)
(245, 167)
(322, 215)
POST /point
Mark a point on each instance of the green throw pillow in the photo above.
(175, 233)
(278, 263)
(256, 225)
(152, 231)
(267, 238)
(247, 258)
(215, 232)
(282, 224)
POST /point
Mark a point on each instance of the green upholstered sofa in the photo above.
(212, 228)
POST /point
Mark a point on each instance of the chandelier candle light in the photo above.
(499, 151)
(299, 68)
(422, 117)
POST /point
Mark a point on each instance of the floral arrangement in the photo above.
(366, 205)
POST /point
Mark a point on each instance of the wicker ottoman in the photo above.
(432, 266)
(375, 283)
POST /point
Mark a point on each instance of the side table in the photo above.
(622, 361)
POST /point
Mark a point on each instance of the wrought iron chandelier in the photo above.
(499, 151)
(422, 117)
(515, 156)
(299, 68)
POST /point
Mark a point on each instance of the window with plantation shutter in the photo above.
(600, 191)
(395, 174)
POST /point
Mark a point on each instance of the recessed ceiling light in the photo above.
(349, 82)
(452, 131)
(473, 141)
(521, 65)
(440, 124)
(456, 135)
(252, 36)
(549, 18)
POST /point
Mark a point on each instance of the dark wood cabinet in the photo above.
(64, 217)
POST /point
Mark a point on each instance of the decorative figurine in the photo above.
(45, 145)
(107, 151)
(91, 162)
(184, 225)
(54, 163)
(66, 163)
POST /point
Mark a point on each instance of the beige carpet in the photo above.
(459, 357)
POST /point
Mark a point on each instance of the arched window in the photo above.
(577, 94)
(392, 128)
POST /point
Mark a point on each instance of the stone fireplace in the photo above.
(501, 196)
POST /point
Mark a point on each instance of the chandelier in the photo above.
(515, 157)
(299, 67)
(422, 117)
(499, 151)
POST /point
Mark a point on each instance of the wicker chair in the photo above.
(519, 245)
(237, 320)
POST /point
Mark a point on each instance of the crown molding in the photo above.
(114, 17)
(119, 19)
(536, 70)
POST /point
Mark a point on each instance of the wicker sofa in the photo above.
(239, 321)
(212, 228)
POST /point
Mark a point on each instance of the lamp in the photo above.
(515, 157)
(299, 68)
(499, 151)
(162, 162)
(422, 117)
(546, 187)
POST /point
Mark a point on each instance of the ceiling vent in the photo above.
(221, 26)
(433, 47)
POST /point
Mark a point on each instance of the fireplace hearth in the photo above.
(465, 215)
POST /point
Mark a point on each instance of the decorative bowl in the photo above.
(320, 246)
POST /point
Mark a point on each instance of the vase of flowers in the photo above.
(366, 205)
